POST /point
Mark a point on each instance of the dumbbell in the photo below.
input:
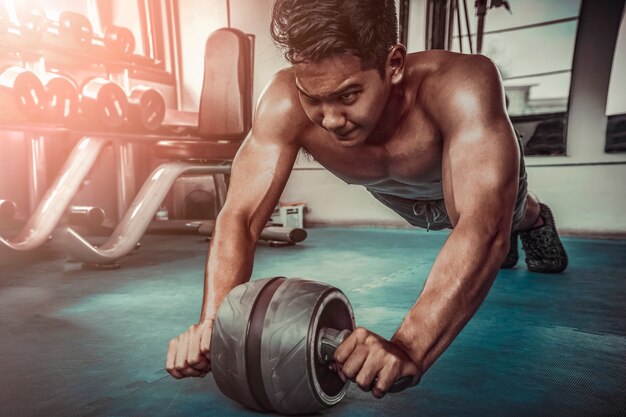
(74, 30)
(21, 93)
(291, 235)
(146, 108)
(119, 40)
(62, 102)
(77, 28)
(104, 103)
(52, 98)
(273, 341)
(287, 235)
(86, 215)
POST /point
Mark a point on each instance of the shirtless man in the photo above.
(427, 134)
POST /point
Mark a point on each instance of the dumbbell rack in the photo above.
(70, 45)
(70, 40)
(98, 67)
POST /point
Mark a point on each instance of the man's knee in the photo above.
(531, 214)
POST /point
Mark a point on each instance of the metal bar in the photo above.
(467, 24)
(429, 10)
(146, 37)
(438, 32)
(479, 34)
(528, 165)
(458, 23)
(576, 164)
(155, 13)
(58, 196)
(450, 27)
(137, 218)
(37, 169)
(481, 11)
(169, 55)
(228, 12)
(252, 40)
(533, 25)
(539, 74)
(32, 127)
(404, 21)
(176, 51)
(139, 138)
(221, 189)
(126, 182)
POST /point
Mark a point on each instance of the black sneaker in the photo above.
(544, 250)
(512, 257)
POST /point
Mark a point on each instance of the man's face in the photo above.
(337, 94)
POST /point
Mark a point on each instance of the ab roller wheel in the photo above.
(271, 343)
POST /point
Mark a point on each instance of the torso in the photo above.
(406, 164)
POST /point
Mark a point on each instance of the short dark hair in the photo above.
(311, 30)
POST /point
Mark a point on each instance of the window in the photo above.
(533, 47)
(616, 101)
(534, 54)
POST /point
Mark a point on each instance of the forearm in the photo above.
(456, 287)
(229, 262)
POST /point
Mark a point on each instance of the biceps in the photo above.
(259, 174)
(481, 177)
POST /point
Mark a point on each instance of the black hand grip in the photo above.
(400, 384)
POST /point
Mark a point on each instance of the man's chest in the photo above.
(410, 156)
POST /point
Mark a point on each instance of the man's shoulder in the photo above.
(280, 105)
(280, 93)
(455, 81)
(442, 70)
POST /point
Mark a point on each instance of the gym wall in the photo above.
(249, 16)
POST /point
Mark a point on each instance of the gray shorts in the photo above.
(433, 215)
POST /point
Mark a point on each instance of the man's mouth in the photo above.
(344, 134)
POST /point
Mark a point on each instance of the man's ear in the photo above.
(396, 58)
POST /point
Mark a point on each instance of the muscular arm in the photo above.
(480, 171)
(259, 174)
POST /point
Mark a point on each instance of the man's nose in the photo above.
(333, 120)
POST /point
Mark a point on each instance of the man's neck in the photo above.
(395, 110)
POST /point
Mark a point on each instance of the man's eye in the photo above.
(347, 96)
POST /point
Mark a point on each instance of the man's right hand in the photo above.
(189, 353)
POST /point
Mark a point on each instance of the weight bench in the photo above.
(225, 117)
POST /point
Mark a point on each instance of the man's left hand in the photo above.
(373, 362)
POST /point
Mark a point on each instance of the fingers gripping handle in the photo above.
(329, 340)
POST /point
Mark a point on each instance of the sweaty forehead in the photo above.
(329, 75)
